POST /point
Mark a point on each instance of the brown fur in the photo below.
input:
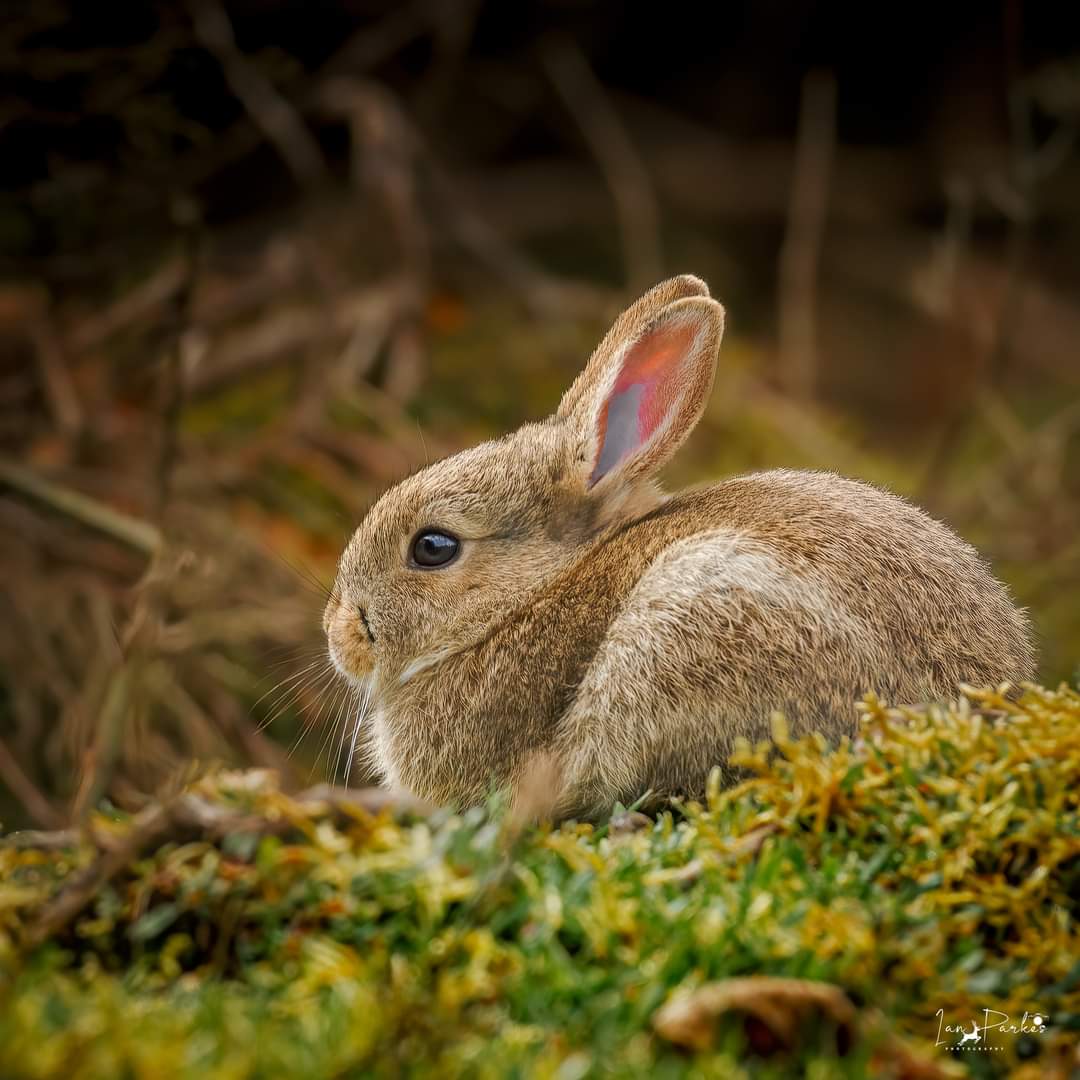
(635, 635)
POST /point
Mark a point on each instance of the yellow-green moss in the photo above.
(932, 864)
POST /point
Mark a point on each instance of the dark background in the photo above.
(259, 260)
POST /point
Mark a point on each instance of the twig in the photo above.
(544, 293)
(35, 804)
(1022, 209)
(187, 215)
(272, 114)
(365, 50)
(55, 378)
(384, 153)
(385, 157)
(453, 26)
(625, 172)
(278, 336)
(369, 800)
(801, 250)
(938, 288)
(99, 760)
(39, 840)
(143, 299)
(1039, 452)
(147, 825)
(804, 427)
(372, 45)
(95, 554)
(138, 534)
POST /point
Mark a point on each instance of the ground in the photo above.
(849, 911)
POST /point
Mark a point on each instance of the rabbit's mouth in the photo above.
(359, 678)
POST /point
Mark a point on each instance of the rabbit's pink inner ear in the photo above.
(645, 396)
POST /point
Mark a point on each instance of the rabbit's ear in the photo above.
(651, 393)
(626, 327)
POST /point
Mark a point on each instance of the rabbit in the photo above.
(540, 595)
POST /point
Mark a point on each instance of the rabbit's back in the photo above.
(926, 593)
(796, 591)
(907, 580)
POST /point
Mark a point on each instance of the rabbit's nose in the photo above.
(351, 640)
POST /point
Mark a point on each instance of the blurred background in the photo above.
(259, 259)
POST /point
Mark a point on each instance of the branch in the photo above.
(272, 114)
(55, 377)
(801, 251)
(622, 166)
(36, 805)
(188, 218)
(128, 530)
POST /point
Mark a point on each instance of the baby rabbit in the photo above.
(539, 596)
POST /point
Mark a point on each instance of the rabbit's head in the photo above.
(456, 547)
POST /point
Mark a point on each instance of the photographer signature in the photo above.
(976, 1036)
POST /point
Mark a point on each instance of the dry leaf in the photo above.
(775, 1008)
(773, 1011)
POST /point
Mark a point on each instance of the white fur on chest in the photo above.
(382, 747)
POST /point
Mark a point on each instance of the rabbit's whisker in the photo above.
(361, 715)
(282, 683)
(317, 687)
(290, 695)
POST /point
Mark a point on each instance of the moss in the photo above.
(931, 864)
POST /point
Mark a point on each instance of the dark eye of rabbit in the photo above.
(433, 549)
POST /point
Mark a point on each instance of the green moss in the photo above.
(932, 864)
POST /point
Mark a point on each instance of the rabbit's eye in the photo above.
(434, 549)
